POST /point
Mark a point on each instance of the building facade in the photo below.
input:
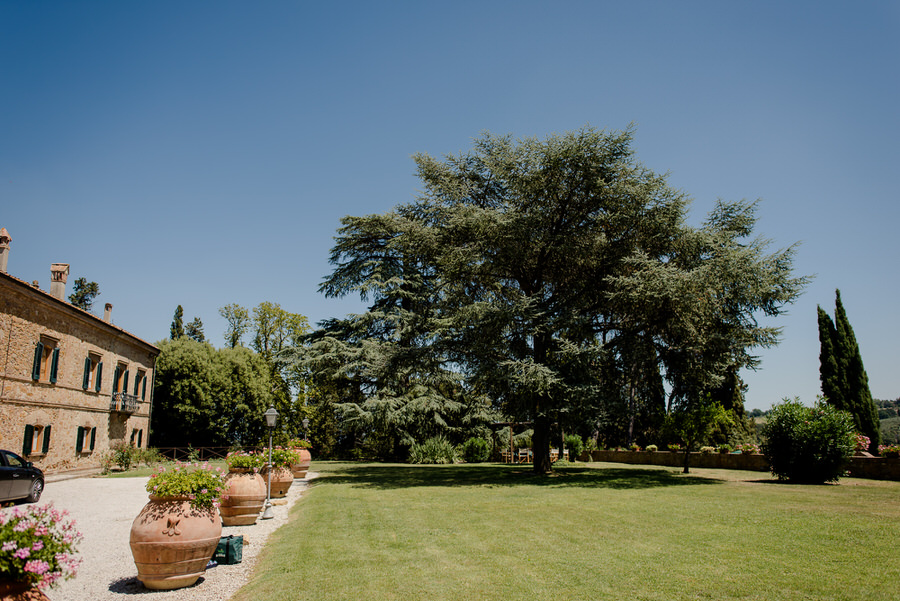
(72, 385)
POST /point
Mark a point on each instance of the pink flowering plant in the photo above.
(199, 482)
(283, 457)
(244, 460)
(889, 450)
(37, 544)
(862, 442)
(748, 448)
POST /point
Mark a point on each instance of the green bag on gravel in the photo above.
(229, 550)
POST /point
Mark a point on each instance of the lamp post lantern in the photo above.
(271, 419)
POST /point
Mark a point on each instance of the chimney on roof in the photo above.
(107, 312)
(5, 239)
(59, 273)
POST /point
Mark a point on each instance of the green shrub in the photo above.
(652, 448)
(724, 449)
(476, 450)
(575, 446)
(808, 444)
(707, 450)
(433, 450)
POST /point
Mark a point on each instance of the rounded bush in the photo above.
(575, 446)
(476, 450)
(433, 450)
(810, 445)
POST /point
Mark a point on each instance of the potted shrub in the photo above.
(652, 448)
(302, 448)
(282, 477)
(724, 449)
(244, 492)
(675, 448)
(707, 450)
(176, 533)
(37, 547)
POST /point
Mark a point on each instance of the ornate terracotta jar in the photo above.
(300, 468)
(172, 542)
(20, 590)
(282, 478)
(243, 497)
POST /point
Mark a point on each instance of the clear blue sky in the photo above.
(202, 153)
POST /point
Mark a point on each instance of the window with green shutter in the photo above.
(93, 437)
(99, 378)
(86, 379)
(79, 440)
(29, 438)
(38, 360)
(45, 447)
(54, 365)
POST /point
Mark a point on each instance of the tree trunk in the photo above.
(540, 445)
(540, 441)
(687, 461)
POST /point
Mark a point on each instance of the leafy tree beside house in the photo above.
(209, 397)
(845, 384)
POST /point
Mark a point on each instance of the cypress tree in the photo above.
(829, 374)
(176, 331)
(848, 389)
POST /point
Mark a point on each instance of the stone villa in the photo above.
(72, 385)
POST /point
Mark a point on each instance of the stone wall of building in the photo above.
(29, 316)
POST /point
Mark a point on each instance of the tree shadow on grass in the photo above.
(392, 476)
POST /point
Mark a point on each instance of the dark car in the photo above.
(19, 479)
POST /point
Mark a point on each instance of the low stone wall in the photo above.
(876, 468)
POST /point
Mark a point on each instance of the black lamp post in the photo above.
(271, 419)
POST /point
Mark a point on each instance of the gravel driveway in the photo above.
(104, 508)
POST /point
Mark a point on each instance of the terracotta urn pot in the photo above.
(20, 590)
(243, 497)
(172, 542)
(282, 478)
(300, 468)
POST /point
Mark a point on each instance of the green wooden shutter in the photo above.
(116, 377)
(93, 436)
(140, 437)
(144, 388)
(46, 445)
(125, 382)
(26, 442)
(79, 440)
(86, 380)
(99, 376)
(36, 366)
(54, 365)
(137, 382)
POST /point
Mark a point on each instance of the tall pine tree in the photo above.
(845, 384)
(176, 330)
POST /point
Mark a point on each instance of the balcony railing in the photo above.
(123, 402)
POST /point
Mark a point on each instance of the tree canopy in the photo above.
(550, 280)
(209, 397)
(84, 293)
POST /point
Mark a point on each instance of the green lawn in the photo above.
(592, 531)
